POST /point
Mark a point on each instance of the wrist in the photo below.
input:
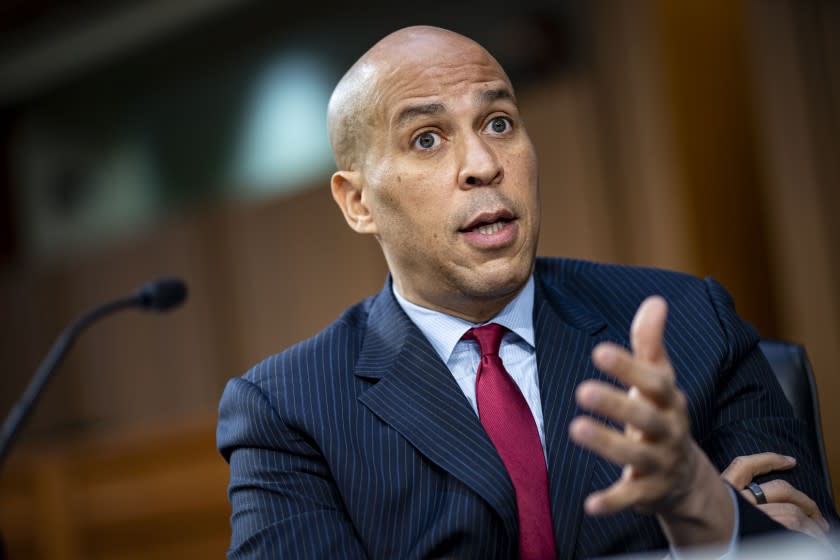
(705, 514)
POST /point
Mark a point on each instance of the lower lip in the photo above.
(499, 240)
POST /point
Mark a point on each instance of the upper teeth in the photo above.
(490, 229)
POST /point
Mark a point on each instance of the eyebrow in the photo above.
(414, 111)
(488, 96)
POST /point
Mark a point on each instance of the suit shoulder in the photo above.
(616, 291)
(614, 281)
(331, 351)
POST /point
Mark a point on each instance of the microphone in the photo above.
(158, 295)
(162, 294)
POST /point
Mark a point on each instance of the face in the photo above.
(449, 178)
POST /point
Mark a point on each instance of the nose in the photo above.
(479, 164)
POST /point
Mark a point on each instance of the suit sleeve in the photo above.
(753, 416)
(285, 503)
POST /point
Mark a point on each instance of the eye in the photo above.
(499, 125)
(426, 140)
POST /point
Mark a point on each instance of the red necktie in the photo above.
(508, 421)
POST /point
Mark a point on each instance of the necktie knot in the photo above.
(489, 337)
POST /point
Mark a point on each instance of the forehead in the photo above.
(436, 74)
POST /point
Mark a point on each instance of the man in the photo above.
(410, 428)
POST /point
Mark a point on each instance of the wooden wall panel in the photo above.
(153, 491)
(561, 120)
(802, 183)
(291, 267)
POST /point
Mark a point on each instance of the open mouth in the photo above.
(490, 229)
(489, 223)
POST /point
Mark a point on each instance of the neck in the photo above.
(473, 309)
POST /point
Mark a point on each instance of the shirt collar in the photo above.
(444, 331)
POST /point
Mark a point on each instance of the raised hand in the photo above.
(664, 470)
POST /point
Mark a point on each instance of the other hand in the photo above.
(664, 471)
(785, 504)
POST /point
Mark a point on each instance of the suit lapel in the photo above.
(565, 335)
(417, 395)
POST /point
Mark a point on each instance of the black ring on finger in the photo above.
(756, 490)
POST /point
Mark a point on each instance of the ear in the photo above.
(347, 190)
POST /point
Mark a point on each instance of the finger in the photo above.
(621, 407)
(780, 491)
(742, 470)
(794, 519)
(620, 495)
(778, 500)
(654, 382)
(648, 330)
(612, 445)
(631, 431)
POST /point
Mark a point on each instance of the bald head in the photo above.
(351, 118)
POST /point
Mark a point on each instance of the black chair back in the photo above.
(793, 370)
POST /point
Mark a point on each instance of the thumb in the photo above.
(648, 330)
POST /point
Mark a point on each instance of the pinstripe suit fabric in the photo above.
(359, 443)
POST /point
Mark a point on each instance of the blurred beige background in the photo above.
(146, 138)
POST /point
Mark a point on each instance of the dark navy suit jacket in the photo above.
(359, 443)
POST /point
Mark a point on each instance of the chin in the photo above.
(501, 281)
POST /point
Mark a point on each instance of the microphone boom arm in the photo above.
(157, 296)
